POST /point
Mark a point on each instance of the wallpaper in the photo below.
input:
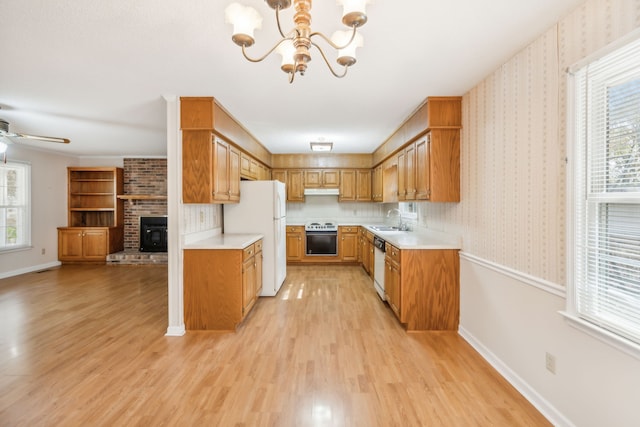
(513, 155)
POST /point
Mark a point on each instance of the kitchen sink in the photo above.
(385, 228)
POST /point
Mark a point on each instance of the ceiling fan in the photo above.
(5, 134)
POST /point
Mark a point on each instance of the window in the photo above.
(605, 281)
(15, 201)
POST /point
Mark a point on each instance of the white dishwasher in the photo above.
(378, 266)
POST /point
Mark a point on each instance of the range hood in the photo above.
(321, 192)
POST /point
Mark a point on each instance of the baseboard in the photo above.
(541, 404)
(29, 269)
(175, 331)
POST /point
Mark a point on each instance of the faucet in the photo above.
(401, 226)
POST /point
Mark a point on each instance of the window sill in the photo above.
(624, 345)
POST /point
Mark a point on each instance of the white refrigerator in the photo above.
(262, 209)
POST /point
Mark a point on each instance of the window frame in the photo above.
(571, 314)
(27, 244)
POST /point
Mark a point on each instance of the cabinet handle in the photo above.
(393, 253)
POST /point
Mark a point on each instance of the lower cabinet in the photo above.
(88, 244)
(348, 241)
(221, 286)
(295, 246)
(422, 287)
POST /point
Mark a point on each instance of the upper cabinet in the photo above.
(426, 153)
(321, 178)
(211, 166)
(355, 185)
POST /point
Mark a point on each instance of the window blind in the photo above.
(607, 206)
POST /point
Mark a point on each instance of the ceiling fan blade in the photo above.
(44, 138)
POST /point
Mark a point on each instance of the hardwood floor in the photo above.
(85, 346)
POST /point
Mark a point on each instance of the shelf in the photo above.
(91, 194)
(91, 179)
(92, 209)
(132, 197)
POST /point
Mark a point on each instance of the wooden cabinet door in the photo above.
(248, 284)
(234, 175)
(94, 244)
(312, 178)
(376, 195)
(295, 187)
(444, 154)
(294, 246)
(422, 168)
(220, 172)
(348, 244)
(330, 178)
(392, 285)
(347, 185)
(258, 263)
(364, 245)
(372, 257)
(70, 245)
(402, 176)
(410, 172)
(363, 185)
(279, 175)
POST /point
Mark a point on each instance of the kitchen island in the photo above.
(222, 280)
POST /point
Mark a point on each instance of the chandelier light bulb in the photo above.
(354, 12)
(245, 20)
(287, 50)
(347, 56)
(3, 146)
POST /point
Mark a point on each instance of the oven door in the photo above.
(322, 243)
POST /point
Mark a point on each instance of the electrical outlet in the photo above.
(44, 251)
(550, 362)
(201, 216)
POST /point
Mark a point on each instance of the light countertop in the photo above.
(225, 241)
(417, 239)
(426, 239)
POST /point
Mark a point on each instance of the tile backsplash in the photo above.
(328, 208)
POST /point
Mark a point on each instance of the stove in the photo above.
(321, 226)
(321, 238)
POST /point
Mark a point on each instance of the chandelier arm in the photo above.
(333, 45)
(244, 52)
(278, 22)
(326, 61)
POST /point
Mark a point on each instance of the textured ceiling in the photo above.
(96, 71)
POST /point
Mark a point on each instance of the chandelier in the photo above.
(294, 45)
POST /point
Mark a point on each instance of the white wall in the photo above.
(512, 218)
(48, 211)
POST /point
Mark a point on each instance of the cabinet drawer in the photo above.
(369, 236)
(258, 246)
(349, 229)
(295, 229)
(249, 251)
(393, 253)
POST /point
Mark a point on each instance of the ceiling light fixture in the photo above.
(321, 146)
(294, 46)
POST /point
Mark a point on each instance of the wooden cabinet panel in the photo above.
(348, 240)
(220, 171)
(294, 243)
(279, 175)
(377, 186)
(347, 185)
(94, 244)
(295, 187)
(234, 175)
(422, 168)
(330, 178)
(402, 176)
(258, 262)
(70, 244)
(248, 284)
(423, 287)
(410, 172)
(363, 185)
(313, 178)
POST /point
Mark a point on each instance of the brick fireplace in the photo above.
(142, 178)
